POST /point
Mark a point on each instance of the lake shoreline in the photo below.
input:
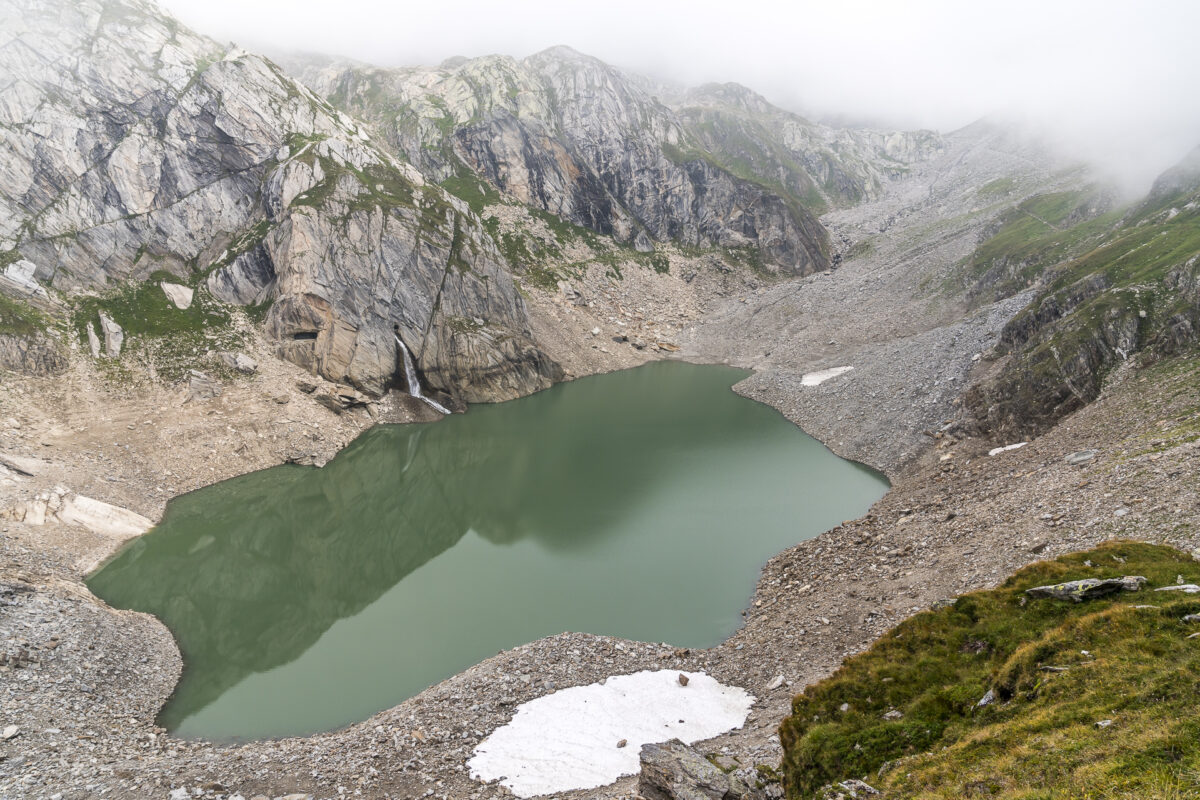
(840, 589)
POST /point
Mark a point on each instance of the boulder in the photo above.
(1088, 588)
(1186, 588)
(1080, 457)
(674, 771)
(239, 362)
(114, 336)
(848, 790)
(179, 295)
(93, 340)
(202, 387)
(342, 398)
(23, 464)
(103, 518)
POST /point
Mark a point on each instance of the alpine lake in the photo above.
(639, 504)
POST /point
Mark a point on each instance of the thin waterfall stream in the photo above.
(414, 382)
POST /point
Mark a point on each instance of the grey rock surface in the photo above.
(31, 355)
(114, 336)
(133, 145)
(179, 295)
(202, 387)
(1088, 588)
(571, 135)
(674, 771)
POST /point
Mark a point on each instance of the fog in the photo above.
(1117, 84)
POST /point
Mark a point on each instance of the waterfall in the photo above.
(414, 383)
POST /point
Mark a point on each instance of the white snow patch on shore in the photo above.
(568, 740)
(995, 451)
(817, 378)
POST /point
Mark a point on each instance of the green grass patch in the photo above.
(1037, 233)
(164, 338)
(21, 319)
(1055, 667)
(998, 187)
(477, 192)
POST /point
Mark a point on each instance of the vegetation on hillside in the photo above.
(20, 319)
(1110, 284)
(168, 340)
(1091, 700)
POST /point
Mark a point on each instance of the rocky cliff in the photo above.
(134, 146)
(568, 134)
(1110, 286)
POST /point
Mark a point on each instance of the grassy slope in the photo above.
(1134, 666)
(1112, 284)
(170, 340)
(20, 319)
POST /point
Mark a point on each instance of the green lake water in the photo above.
(639, 504)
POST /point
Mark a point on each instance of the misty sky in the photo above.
(1117, 82)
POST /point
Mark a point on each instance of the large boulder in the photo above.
(1088, 588)
(674, 771)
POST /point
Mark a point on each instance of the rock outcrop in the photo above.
(134, 146)
(31, 355)
(570, 135)
(674, 771)
(1129, 288)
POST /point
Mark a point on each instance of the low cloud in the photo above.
(1116, 83)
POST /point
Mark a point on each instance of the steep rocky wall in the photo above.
(1134, 289)
(568, 134)
(133, 145)
(31, 355)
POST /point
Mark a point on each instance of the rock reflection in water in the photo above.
(638, 504)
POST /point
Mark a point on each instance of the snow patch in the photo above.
(817, 378)
(569, 739)
(995, 451)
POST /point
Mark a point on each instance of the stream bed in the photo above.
(638, 504)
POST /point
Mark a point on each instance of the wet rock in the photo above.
(1088, 588)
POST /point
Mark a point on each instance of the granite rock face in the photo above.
(134, 146)
(36, 355)
(566, 133)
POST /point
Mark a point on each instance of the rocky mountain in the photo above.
(565, 133)
(1111, 283)
(134, 147)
